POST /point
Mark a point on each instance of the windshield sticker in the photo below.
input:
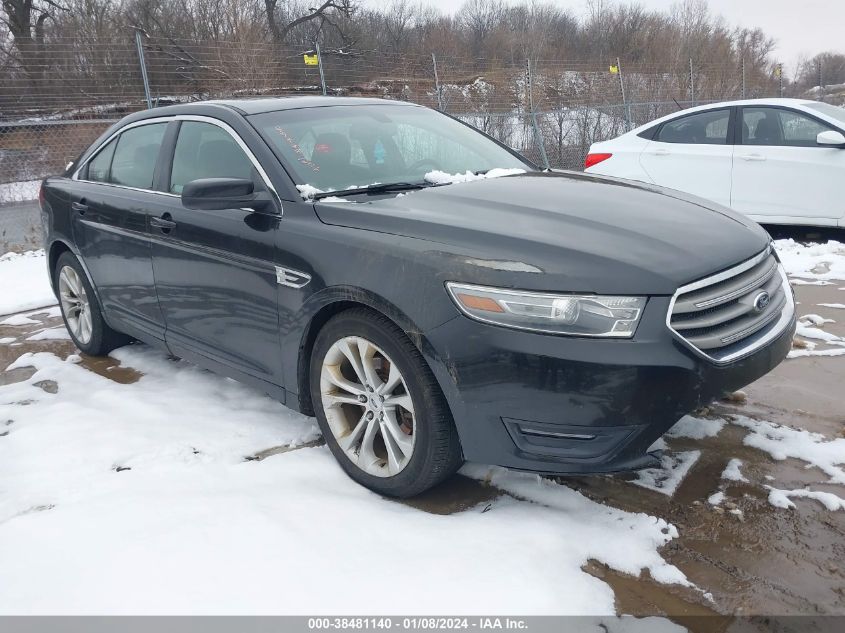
(379, 153)
(300, 155)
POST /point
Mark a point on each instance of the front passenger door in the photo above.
(780, 172)
(214, 270)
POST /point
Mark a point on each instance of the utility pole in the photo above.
(140, 46)
(320, 64)
(691, 84)
(538, 138)
(626, 111)
(743, 77)
(437, 84)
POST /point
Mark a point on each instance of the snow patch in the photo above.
(814, 262)
(732, 471)
(781, 498)
(782, 441)
(51, 334)
(838, 306)
(672, 471)
(25, 282)
(696, 428)
(716, 498)
(19, 191)
(438, 177)
(308, 191)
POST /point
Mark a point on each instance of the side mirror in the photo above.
(831, 138)
(215, 194)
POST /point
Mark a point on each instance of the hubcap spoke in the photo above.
(367, 352)
(403, 401)
(367, 458)
(353, 356)
(348, 442)
(393, 432)
(333, 375)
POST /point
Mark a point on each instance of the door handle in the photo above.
(164, 223)
(751, 157)
(661, 152)
(80, 207)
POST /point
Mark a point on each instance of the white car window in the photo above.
(779, 127)
(703, 128)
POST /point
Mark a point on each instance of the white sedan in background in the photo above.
(779, 161)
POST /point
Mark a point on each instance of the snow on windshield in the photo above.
(442, 178)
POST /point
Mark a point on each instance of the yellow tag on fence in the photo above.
(310, 60)
(614, 70)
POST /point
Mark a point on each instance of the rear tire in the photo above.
(379, 406)
(81, 311)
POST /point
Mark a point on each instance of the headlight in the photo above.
(576, 315)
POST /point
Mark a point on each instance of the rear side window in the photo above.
(776, 127)
(703, 128)
(204, 150)
(99, 166)
(135, 157)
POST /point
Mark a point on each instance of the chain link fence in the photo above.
(56, 101)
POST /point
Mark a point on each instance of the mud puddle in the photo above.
(44, 320)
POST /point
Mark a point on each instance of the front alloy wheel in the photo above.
(368, 407)
(380, 407)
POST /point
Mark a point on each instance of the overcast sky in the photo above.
(801, 27)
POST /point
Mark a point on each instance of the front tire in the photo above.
(379, 406)
(81, 310)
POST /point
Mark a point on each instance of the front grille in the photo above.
(731, 314)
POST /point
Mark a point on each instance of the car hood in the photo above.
(562, 231)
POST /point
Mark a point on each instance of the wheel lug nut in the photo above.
(362, 398)
(369, 415)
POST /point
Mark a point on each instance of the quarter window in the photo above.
(204, 150)
(703, 128)
(785, 128)
(99, 166)
(135, 158)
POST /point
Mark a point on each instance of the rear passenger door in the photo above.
(780, 172)
(110, 199)
(693, 153)
(214, 270)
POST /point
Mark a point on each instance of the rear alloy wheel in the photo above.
(81, 310)
(75, 305)
(379, 406)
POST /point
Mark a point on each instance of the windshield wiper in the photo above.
(377, 188)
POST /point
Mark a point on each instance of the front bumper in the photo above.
(565, 405)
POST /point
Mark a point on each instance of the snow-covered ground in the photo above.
(24, 283)
(19, 191)
(127, 498)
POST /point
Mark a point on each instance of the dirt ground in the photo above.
(751, 557)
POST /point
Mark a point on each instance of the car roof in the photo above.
(272, 104)
(792, 103)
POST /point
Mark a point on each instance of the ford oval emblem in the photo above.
(761, 301)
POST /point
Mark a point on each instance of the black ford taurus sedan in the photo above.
(428, 294)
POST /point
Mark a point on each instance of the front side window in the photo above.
(703, 128)
(777, 127)
(100, 165)
(340, 147)
(204, 150)
(135, 156)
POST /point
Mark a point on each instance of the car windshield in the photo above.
(830, 110)
(341, 147)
